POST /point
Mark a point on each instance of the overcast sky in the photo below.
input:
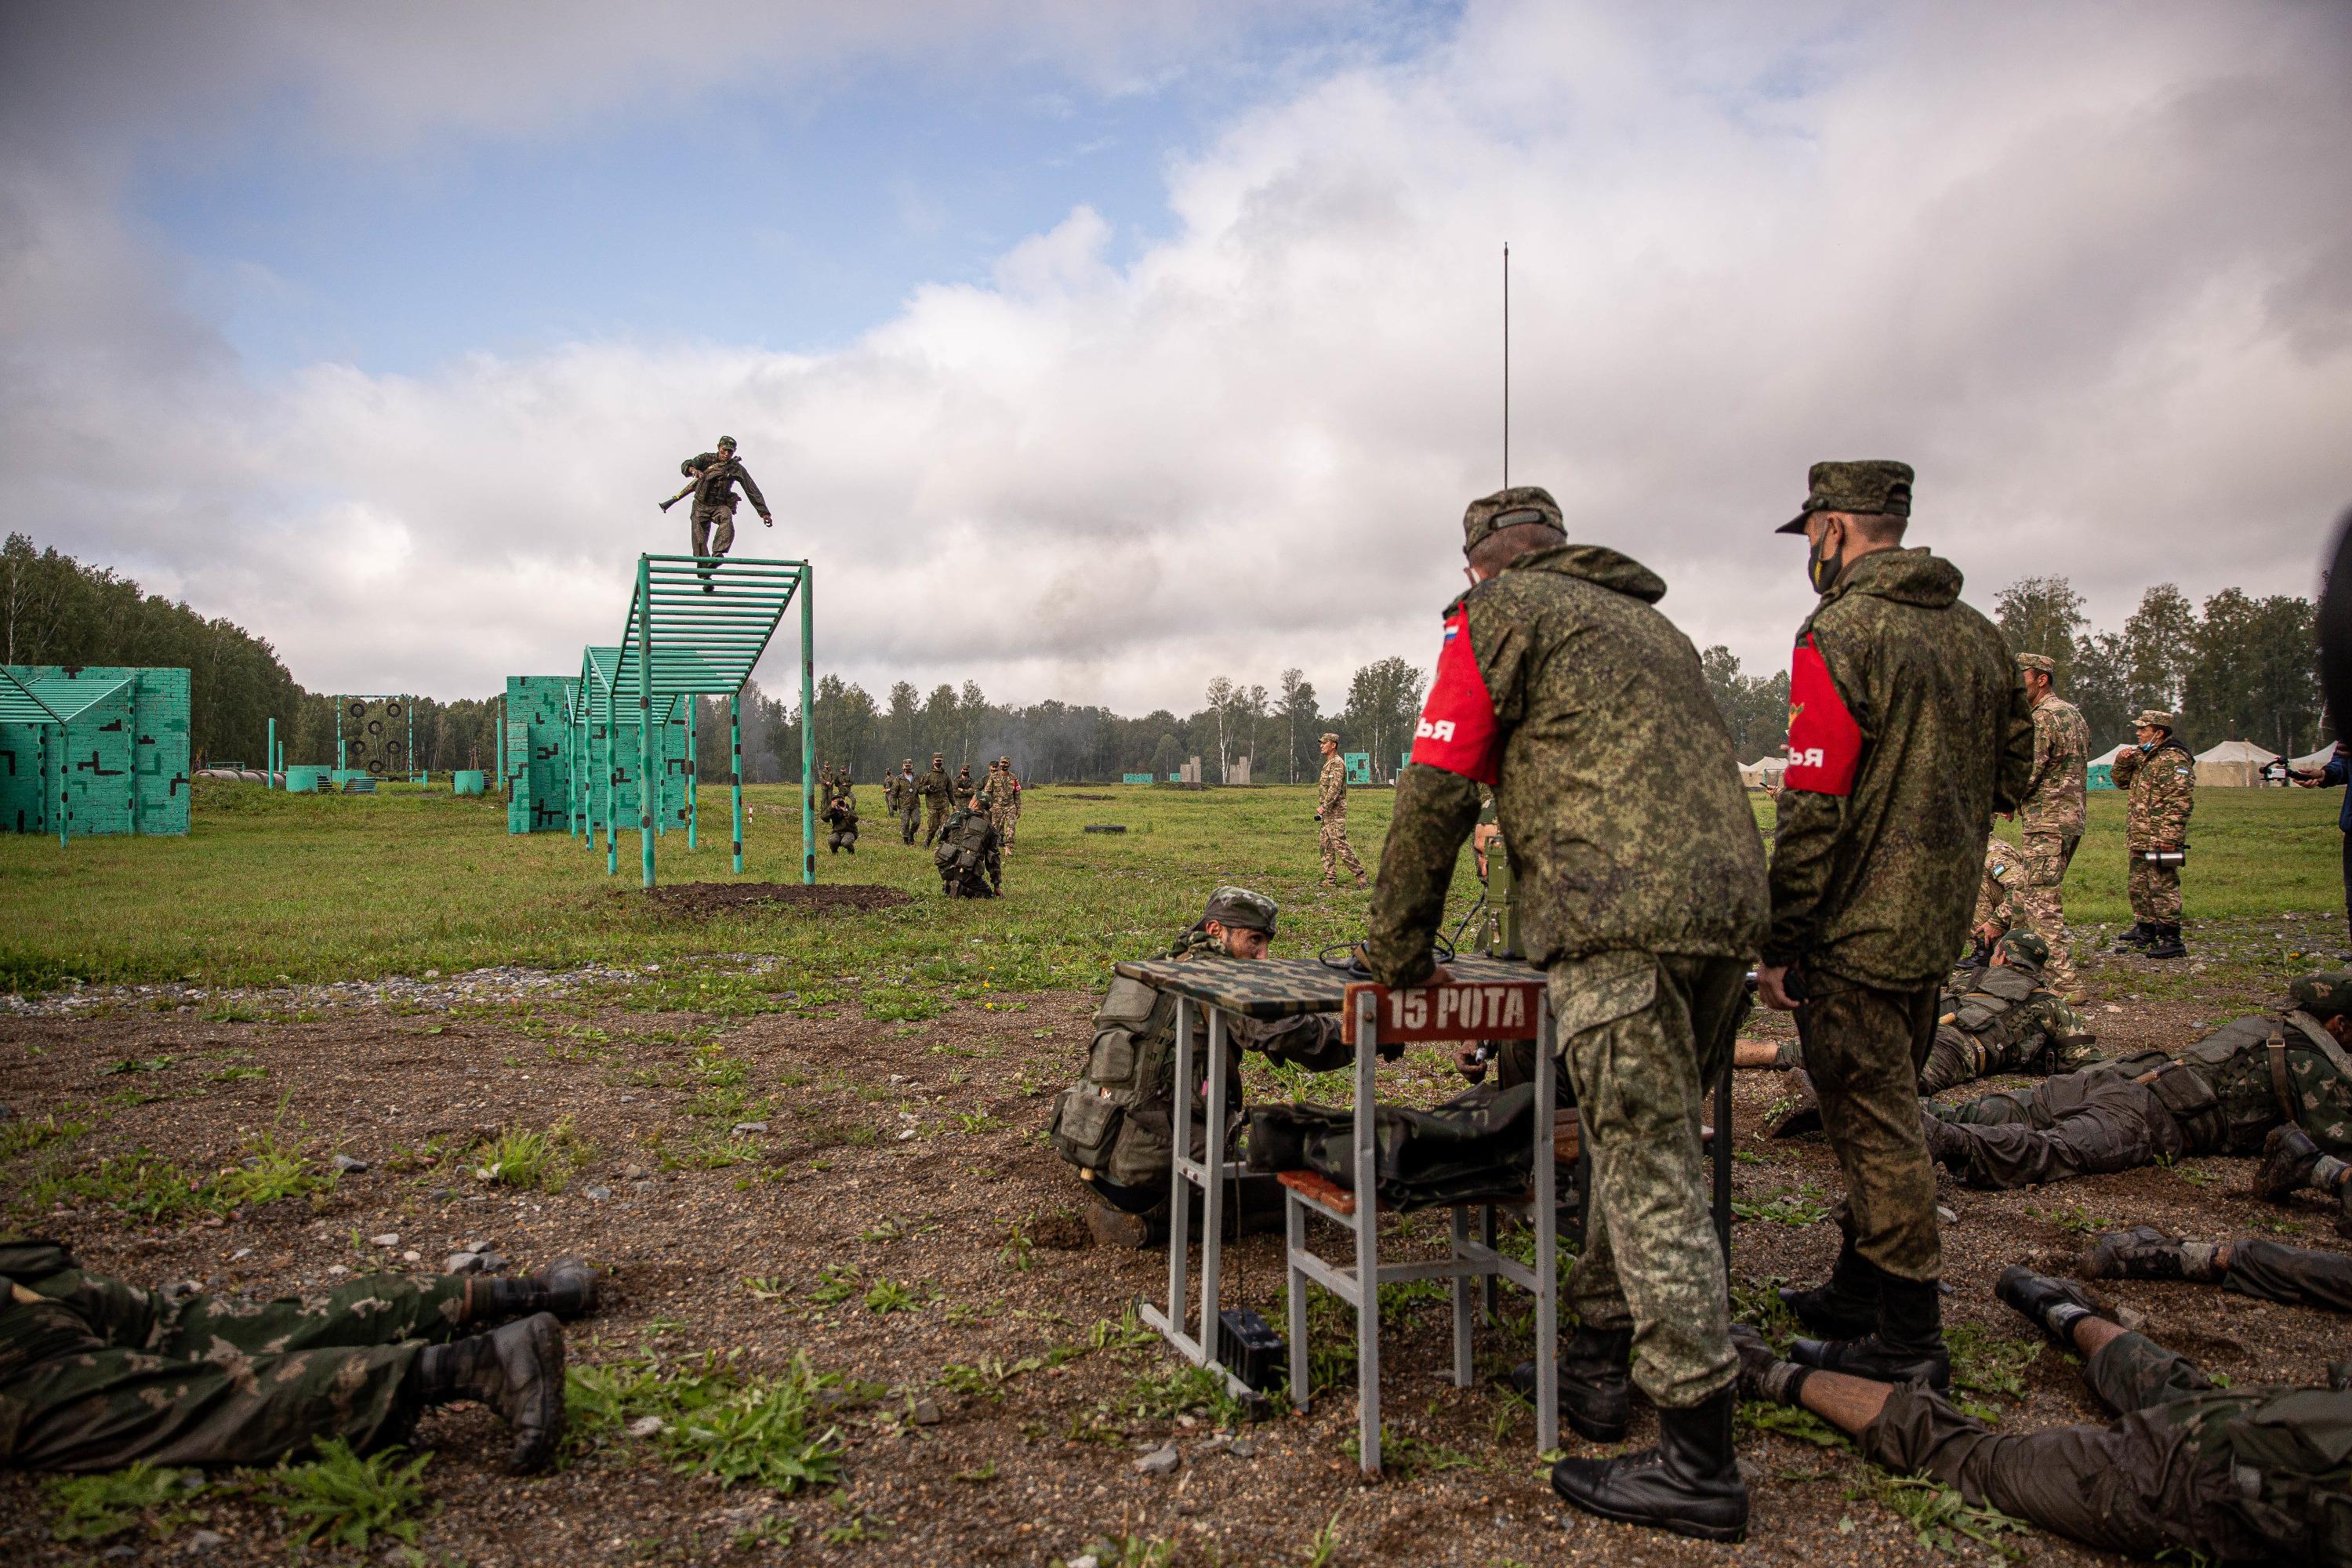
(1090, 351)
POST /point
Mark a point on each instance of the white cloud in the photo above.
(2083, 264)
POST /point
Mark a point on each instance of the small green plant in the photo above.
(1166, 1394)
(986, 1472)
(1941, 1518)
(136, 1064)
(717, 1420)
(1793, 1421)
(239, 1074)
(888, 1296)
(1018, 1248)
(1403, 1454)
(836, 1283)
(342, 1500)
(91, 1508)
(1785, 1205)
(776, 1529)
(533, 1161)
(765, 1289)
(1324, 1549)
(976, 1122)
(22, 1135)
(272, 1168)
(987, 1377)
(140, 1183)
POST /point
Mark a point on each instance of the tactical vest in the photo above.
(958, 850)
(2230, 1089)
(1118, 1121)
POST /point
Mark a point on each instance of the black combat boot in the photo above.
(2053, 1306)
(517, 1371)
(2144, 1252)
(1947, 1144)
(1689, 1483)
(2167, 942)
(2140, 935)
(1907, 1347)
(1596, 1385)
(567, 1287)
(1845, 1306)
(2289, 1156)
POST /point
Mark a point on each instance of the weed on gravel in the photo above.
(342, 1498)
(711, 1418)
(93, 1508)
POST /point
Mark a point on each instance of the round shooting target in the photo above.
(376, 767)
(375, 727)
(392, 710)
(357, 709)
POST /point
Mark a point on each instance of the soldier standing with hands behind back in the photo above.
(1907, 730)
(2050, 819)
(1332, 814)
(2161, 775)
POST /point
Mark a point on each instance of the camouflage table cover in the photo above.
(1286, 987)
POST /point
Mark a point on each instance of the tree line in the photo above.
(2237, 667)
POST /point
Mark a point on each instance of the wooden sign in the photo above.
(1462, 1010)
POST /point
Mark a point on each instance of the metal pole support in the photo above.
(648, 781)
(808, 726)
(735, 769)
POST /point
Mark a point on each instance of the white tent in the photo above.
(2233, 764)
(2314, 762)
(1764, 773)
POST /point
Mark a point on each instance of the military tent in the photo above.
(2232, 765)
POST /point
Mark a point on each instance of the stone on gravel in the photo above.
(412, 1256)
(337, 1269)
(751, 1127)
(1243, 1449)
(388, 1238)
(206, 1540)
(926, 1412)
(495, 1262)
(349, 1167)
(904, 1133)
(648, 1426)
(241, 1252)
(462, 1263)
(643, 1186)
(1083, 1559)
(635, 1173)
(597, 1194)
(2131, 1319)
(1161, 1461)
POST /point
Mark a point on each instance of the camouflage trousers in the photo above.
(712, 531)
(1003, 817)
(2155, 892)
(1863, 1048)
(2212, 1475)
(2047, 854)
(932, 820)
(2078, 1124)
(1958, 1058)
(2273, 1271)
(910, 820)
(95, 1375)
(1331, 838)
(1644, 1037)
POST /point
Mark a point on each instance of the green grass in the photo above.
(408, 880)
(342, 1500)
(719, 1421)
(91, 1508)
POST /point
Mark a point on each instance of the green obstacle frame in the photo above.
(86, 751)
(696, 627)
(535, 754)
(605, 781)
(391, 708)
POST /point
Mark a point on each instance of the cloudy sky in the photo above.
(1090, 351)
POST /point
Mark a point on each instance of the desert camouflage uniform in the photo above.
(2163, 784)
(1871, 887)
(934, 789)
(2001, 896)
(1639, 882)
(1009, 806)
(2050, 825)
(2007, 1021)
(2187, 1471)
(1331, 816)
(2223, 1096)
(96, 1375)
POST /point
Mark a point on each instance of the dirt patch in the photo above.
(1074, 794)
(825, 898)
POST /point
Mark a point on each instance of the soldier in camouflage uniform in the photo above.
(1118, 1124)
(2007, 1020)
(2223, 1096)
(841, 815)
(2161, 775)
(971, 861)
(1639, 885)
(1331, 813)
(1007, 801)
(1907, 730)
(715, 476)
(938, 794)
(2001, 901)
(2250, 1265)
(96, 1375)
(2050, 819)
(909, 807)
(2188, 1470)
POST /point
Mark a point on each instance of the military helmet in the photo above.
(2024, 950)
(2325, 994)
(1241, 910)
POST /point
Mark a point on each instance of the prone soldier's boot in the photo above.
(517, 1371)
(1842, 1307)
(1596, 1384)
(1690, 1483)
(2144, 1252)
(2289, 1158)
(2053, 1306)
(567, 1287)
(1908, 1347)
(2167, 942)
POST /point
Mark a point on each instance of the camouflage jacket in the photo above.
(933, 785)
(2018, 1022)
(1999, 895)
(2163, 784)
(1559, 683)
(716, 489)
(1331, 788)
(2257, 1072)
(2061, 765)
(1907, 730)
(841, 809)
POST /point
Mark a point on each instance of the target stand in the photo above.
(375, 738)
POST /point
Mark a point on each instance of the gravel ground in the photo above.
(910, 1152)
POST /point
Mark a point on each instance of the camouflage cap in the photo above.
(1004, 762)
(1509, 508)
(1241, 910)
(2024, 949)
(1330, 738)
(2041, 662)
(727, 443)
(1873, 486)
(2154, 719)
(2326, 995)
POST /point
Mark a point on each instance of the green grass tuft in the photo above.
(341, 1499)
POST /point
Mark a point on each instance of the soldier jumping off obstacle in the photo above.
(715, 476)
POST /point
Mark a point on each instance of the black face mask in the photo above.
(1823, 571)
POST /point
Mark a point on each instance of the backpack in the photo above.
(1119, 1120)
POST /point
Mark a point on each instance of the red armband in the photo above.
(1824, 742)
(1457, 730)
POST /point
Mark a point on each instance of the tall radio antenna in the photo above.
(1506, 365)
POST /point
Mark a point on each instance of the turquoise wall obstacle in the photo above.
(535, 754)
(89, 750)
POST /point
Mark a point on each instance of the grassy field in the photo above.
(271, 887)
